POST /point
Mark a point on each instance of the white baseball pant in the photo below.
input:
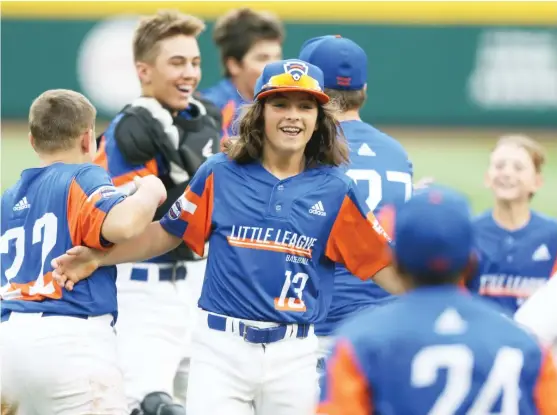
(61, 365)
(154, 331)
(230, 376)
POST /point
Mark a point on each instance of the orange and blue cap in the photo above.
(433, 232)
(291, 75)
(343, 61)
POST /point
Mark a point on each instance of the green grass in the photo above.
(453, 160)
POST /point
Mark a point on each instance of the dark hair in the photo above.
(58, 117)
(347, 100)
(327, 145)
(237, 31)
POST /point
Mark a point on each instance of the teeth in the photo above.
(291, 130)
(184, 88)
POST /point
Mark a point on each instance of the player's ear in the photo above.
(143, 72)
(365, 87)
(233, 66)
(538, 182)
(87, 142)
(32, 141)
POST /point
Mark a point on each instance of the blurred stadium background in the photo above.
(445, 78)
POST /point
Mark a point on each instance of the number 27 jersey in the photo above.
(48, 211)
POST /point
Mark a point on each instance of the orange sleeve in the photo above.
(86, 213)
(227, 113)
(554, 269)
(345, 388)
(190, 218)
(545, 393)
(357, 240)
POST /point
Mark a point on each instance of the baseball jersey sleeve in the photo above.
(190, 218)
(357, 240)
(111, 158)
(344, 387)
(91, 196)
(544, 392)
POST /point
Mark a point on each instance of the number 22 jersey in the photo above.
(49, 210)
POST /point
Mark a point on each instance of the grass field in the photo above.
(451, 157)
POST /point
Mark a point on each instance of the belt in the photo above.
(175, 273)
(6, 316)
(258, 335)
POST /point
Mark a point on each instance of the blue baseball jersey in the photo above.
(437, 350)
(48, 211)
(122, 173)
(383, 173)
(274, 243)
(514, 264)
(227, 98)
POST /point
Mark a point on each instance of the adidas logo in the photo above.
(541, 254)
(22, 204)
(450, 323)
(366, 150)
(318, 209)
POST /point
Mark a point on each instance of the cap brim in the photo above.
(321, 97)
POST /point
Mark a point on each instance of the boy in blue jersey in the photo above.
(436, 349)
(517, 245)
(378, 164)
(169, 133)
(247, 40)
(278, 212)
(58, 346)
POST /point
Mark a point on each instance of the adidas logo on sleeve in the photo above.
(21, 205)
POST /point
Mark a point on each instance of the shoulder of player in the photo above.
(377, 321)
(484, 218)
(336, 175)
(541, 220)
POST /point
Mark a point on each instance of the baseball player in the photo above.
(58, 347)
(279, 213)
(518, 245)
(378, 164)
(168, 133)
(247, 40)
(436, 349)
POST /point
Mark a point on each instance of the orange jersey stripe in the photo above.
(357, 242)
(268, 246)
(199, 221)
(346, 388)
(84, 218)
(227, 113)
(545, 393)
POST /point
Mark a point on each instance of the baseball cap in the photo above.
(343, 61)
(433, 232)
(290, 75)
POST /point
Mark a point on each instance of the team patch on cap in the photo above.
(296, 69)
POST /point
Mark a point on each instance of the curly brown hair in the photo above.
(327, 145)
